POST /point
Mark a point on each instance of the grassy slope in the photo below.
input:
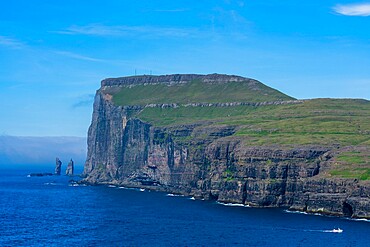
(197, 92)
(319, 121)
(328, 122)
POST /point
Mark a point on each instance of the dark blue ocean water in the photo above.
(47, 211)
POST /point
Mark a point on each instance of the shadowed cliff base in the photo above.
(232, 139)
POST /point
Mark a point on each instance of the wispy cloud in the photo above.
(84, 101)
(11, 43)
(78, 56)
(103, 30)
(360, 9)
(238, 2)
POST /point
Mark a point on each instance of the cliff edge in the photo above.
(231, 139)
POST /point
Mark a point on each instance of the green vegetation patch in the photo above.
(319, 121)
(352, 164)
(197, 92)
(355, 173)
(354, 157)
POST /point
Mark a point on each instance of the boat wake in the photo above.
(334, 230)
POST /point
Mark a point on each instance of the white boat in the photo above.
(338, 230)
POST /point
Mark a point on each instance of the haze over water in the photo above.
(48, 211)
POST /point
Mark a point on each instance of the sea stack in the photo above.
(70, 168)
(58, 166)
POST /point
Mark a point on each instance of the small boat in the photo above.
(338, 230)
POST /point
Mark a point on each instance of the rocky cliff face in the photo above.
(211, 162)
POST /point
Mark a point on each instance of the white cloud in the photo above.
(78, 56)
(103, 30)
(11, 43)
(360, 9)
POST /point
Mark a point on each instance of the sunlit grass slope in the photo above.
(318, 121)
(197, 92)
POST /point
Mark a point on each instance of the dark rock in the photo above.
(178, 78)
(40, 174)
(58, 167)
(70, 168)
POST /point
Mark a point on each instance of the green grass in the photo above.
(196, 92)
(319, 121)
(354, 157)
(352, 164)
(355, 173)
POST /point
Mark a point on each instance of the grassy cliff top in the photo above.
(196, 91)
(335, 123)
(317, 121)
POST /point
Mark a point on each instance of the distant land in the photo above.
(20, 150)
(231, 139)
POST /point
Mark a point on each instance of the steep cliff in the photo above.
(231, 139)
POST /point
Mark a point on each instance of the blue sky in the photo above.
(53, 54)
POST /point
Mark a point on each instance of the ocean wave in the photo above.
(77, 185)
(359, 219)
(51, 183)
(173, 195)
(295, 212)
(325, 215)
(307, 213)
(127, 188)
(233, 204)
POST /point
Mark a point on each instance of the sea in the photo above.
(52, 211)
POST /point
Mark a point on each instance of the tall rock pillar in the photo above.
(58, 166)
(70, 168)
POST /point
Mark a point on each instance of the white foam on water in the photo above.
(295, 212)
(173, 195)
(359, 219)
(77, 185)
(112, 186)
(192, 198)
(128, 188)
(50, 184)
(318, 214)
(233, 204)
